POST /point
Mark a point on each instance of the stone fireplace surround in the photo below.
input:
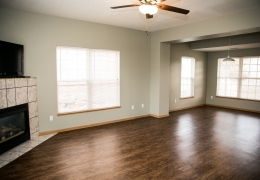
(16, 91)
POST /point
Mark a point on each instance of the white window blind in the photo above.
(87, 79)
(239, 79)
(187, 77)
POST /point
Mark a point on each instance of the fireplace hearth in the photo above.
(14, 127)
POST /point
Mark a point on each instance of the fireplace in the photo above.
(14, 126)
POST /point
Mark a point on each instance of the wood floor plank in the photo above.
(199, 143)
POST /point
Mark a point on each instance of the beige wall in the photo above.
(40, 34)
(212, 80)
(177, 51)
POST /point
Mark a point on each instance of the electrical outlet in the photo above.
(175, 101)
(142, 105)
(133, 106)
(211, 97)
(51, 118)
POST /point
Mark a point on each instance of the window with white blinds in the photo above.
(187, 77)
(87, 79)
(239, 78)
(228, 78)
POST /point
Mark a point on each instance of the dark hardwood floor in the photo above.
(200, 143)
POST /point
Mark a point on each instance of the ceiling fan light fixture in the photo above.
(148, 9)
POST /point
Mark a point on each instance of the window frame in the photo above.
(89, 60)
(193, 66)
(240, 78)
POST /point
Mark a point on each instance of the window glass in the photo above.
(87, 79)
(187, 77)
(240, 78)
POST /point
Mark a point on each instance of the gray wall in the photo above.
(177, 51)
(243, 39)
(40, 34)
(227, 24)
(143, 65)
(212, 80)
(165, 66)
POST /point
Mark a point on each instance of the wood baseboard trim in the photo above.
(162, 116)
(136, 117)
(77, 112)
(228, 107)
(91, 125)
(173, 110)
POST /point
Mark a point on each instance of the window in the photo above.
(187, 77)
(228, 78)
(239, 79)
(87, 79)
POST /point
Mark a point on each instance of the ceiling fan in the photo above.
(150, 7)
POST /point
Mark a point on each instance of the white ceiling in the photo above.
(99, 11)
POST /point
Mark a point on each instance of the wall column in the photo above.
(160, 81)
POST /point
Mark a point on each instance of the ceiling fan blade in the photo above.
(173, 9)
(131, 5)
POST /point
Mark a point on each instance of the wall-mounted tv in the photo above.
(11, 60)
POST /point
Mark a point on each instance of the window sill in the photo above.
(187, 97)
(91, 110)
(238, 98)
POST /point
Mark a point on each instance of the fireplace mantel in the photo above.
(16, 91)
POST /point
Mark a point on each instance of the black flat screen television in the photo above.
(11, 60)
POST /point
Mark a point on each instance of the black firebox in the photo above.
(14, 127)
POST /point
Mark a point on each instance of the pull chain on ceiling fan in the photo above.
(150, 7)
